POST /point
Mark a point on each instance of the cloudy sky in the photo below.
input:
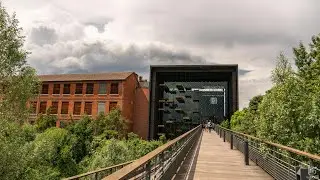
(71, 36)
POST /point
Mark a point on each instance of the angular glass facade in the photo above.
(183, 97)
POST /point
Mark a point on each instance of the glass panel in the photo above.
(88, 108)
(56, 89)
(114, 88)
(45, 89)
(103, 88)
(89, 88)
(77, 108)
(64, 107)
(101, 107)
(43, 107)
(54, 108)
(66, 89)
(79, 88)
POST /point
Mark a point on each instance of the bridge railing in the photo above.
(163, 162)
(281, 162)
(98, 174)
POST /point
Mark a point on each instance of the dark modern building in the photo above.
(183, 96)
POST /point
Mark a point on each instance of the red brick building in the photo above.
(73, 95)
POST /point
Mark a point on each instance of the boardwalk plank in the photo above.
(215, 160)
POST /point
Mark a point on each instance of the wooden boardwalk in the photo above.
(213, 159)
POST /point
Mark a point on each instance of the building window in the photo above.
(89, 89)
(66, 89)
(101, 107)
(114, 88)
(103, 88)
(33, 107)
(77, 108)
(88, 108)
(56, 89)
(64, 107)
(79, 88)
(45, 89)
(43, 107)
(112, 106)
(54, 108)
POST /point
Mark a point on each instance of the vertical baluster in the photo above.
(231, 141)
(246, 152)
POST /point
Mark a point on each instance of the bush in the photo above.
(45, 121)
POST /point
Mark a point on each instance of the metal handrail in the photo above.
(160, 159)
(94, 173)
(280, 161)
(286, 148)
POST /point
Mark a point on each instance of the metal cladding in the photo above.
(187, 95)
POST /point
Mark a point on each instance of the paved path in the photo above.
(213, 159)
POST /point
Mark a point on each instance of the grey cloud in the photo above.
(102, 56)
(43, 35)
(230, 37)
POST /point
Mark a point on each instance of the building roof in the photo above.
(86, 77)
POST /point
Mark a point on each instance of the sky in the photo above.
(121, 35)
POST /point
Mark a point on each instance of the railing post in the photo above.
(302, 173)
(148, 170)
(246, 152)
(162, 162)
(224, 136)
(231, 141)
(220, 132)
(96, 176)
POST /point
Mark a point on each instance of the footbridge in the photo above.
(221, 154)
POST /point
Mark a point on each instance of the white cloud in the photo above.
(97, 35)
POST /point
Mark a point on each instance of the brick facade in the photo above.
(141, 112)
(131, 98)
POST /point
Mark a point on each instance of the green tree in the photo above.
(289, 113)
(112, 124)
(18, 81)
(45, 121)
(12, 151)
(111, 152)
(83, 135)
(308, 60)
(51, 155)
(283, 70)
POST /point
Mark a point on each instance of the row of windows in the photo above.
(79, 88)
(65, 107)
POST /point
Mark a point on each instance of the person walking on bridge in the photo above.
(209, 125)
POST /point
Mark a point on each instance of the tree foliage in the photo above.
(18, 81)
(289, 112)
(45, 121)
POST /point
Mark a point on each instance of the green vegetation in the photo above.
(42, 151)
(30, 152)
(289, 113)
(18, 81)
